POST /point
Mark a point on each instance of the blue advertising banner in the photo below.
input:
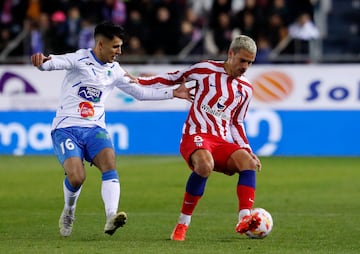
(270, 132)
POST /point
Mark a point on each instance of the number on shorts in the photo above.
(68, 145)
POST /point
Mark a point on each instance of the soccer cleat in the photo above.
(179, 232)
(66, 222)
(248, 222)
(114, 222)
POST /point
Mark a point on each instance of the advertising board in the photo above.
(297, 110)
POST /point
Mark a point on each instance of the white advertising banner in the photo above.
(289, 87)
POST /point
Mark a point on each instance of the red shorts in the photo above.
(218, 147)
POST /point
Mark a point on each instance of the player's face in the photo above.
(110, 49)
(239, 62)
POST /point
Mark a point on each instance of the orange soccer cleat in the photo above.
(248, 222)
(179, 232)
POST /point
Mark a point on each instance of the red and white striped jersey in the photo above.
(220, 103)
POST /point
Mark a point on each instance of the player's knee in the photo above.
(251, 164)
(242, 160)
(204, 168)
(77, 180)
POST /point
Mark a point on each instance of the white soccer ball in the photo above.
(266, 224)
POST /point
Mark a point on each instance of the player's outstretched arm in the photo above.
(38, 59)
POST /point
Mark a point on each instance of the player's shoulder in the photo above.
(244, 81)
(116, 67)
(81, 53)
(79, 56)
(211, 63)
(209, 66)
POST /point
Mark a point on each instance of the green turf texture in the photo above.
(315, 204)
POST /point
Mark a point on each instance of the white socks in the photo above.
(110, 192)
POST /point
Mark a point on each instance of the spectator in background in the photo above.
(4, 37)
(33, 10)
(280, 8)
(137, 28)
(304, 28)
(218, 8)
(12, 16)
(44, 28)
(164, 32)
(36, 38)
(264, 50)
(72, 28)
(275, 30)
(222, 32)
(134, 47)
(57, 32)
(86, 34)
(259, 13)
(247, 24)
(191, 30)
(114, 10)
(302, 31)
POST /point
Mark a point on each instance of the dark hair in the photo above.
(110, 30)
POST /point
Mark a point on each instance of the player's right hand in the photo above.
(38, 59)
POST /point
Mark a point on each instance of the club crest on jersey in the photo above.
(86, 109)
(220, 103)
(198, 141)
(90, 93)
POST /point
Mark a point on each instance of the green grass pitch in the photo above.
(315, 204)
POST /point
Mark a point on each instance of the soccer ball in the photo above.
(266, 224)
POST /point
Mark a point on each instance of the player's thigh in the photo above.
(241, 160)
(105, 159)
(99, 148)
(196, 151)
(221, 153)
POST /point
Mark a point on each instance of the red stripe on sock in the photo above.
(189, 203)
(246, 197)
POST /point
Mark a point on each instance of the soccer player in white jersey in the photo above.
(213, 137)
(78, 129)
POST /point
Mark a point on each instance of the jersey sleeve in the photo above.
(237, 127)
(169, 78)
(144, 93)
(58, 62)
(239, 136)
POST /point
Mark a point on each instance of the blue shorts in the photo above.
(81, 142)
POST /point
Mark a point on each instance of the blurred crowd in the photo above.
(157, 27)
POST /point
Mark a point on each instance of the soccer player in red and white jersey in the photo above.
(214, 137)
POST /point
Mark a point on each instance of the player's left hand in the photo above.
(133, 79)
(38, 59)
(184, 92)
(257, 161)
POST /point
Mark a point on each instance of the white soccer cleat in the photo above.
(66, 222)
(114, 222)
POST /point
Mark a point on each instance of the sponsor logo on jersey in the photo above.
(90, 93)
(216, 111)
(86, 109)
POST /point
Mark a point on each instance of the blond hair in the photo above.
(243, 42)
